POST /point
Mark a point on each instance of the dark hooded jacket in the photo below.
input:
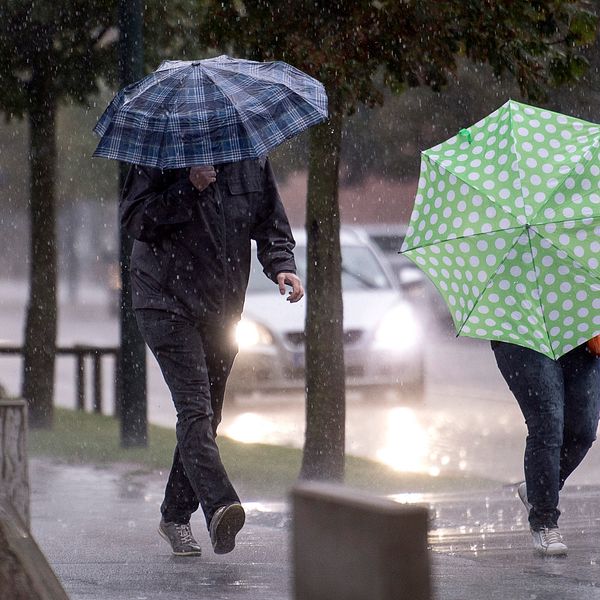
(191, 253)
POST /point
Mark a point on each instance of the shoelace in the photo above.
(551, 536)
(185, 533)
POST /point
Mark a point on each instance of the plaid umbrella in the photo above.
(209, 112)
(506, 223)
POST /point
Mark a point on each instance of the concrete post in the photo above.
(14, 477)
(24, 572)
(352, 545)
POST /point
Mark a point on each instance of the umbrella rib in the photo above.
(574, 259)
(540, 296)
(165, 101)
(459, 237)
(274, 81)
(517, 156)
(490, 198)
(571, 220)
(487, 283)
(594, 146)
(241, 121)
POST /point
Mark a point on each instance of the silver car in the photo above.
(388, 237)
(383, 343)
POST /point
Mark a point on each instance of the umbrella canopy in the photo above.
(506, 223)
(208, 112)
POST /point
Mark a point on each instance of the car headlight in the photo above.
(249, 334)
(399, 329)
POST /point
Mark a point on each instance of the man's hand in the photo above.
(202, 177)
(291, 279)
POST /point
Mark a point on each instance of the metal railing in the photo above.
(81, 353)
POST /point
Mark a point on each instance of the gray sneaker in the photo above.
(180, 538)
(224, 526)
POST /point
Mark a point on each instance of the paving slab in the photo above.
(482, 548)
(98, 529)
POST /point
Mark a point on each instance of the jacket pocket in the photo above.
(244, 185)
(242, 197)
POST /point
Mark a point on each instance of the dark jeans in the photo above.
(560, 400)
(195, 360)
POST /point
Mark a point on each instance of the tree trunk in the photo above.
(40, 328)
(132, 402)
(323, 456)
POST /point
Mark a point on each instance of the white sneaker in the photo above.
(548, 542)
(522, 492)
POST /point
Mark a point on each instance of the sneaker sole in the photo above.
(165, 537)
(231, 522)
(558, 552)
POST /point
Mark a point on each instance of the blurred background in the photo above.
(455, 414)
(380, 164)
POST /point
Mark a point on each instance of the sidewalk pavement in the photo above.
(97, 527)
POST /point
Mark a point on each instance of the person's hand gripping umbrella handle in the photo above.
(201, 177)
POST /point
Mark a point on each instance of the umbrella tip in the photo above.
(466, 134)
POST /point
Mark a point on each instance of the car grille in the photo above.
(351, 337)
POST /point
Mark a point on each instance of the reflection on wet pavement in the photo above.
(98, 528)
(450, 432)
(405, 443)
(255, 427)
(490, 534)
(481, 433)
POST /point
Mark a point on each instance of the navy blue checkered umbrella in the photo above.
(208, 112)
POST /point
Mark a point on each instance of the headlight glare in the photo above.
(249, 334)
(399, 330)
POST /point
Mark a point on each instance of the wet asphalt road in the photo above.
(97, 527)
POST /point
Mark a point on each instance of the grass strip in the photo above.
(262, 470)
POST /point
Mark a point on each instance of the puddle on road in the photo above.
(441, 436)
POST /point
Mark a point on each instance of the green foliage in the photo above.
(171, 33)
(412, 42)
(387, 140)
(71, 44)
(76, 144)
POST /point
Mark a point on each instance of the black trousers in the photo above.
(195, 360)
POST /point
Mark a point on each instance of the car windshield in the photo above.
(387, 242)
(360, 270)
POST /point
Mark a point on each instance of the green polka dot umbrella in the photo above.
(506, 223)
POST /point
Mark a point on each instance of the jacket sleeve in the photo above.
(273, 234)
(151, 202)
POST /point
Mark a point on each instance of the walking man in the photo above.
(189, 271)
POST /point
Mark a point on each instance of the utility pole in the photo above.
(131, 401)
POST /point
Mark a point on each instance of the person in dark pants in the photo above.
(560, 400)
(190, 265)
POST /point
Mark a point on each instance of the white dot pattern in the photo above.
(506, 223)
